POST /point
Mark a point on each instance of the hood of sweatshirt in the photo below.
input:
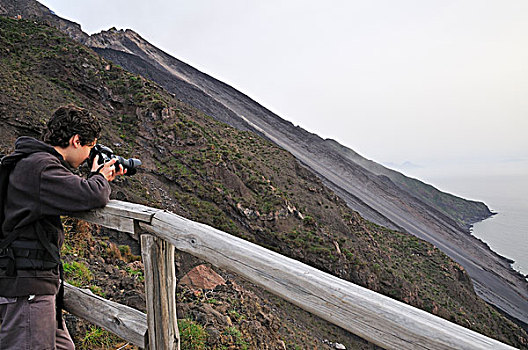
(25, 146)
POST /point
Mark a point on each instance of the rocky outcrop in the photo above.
(202, 277)
(30, 9)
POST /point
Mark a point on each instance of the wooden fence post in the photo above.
(160, 288)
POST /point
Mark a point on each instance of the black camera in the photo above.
(106, 154)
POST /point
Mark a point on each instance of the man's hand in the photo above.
(108, 170)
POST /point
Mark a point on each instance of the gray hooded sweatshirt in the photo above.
(41, 188)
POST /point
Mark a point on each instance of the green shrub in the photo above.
(192, 335)
(97, 338)
(237, 338)
(77, 274)
(309, 221)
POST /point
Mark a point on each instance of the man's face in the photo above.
(80, 152)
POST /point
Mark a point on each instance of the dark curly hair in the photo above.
(68, 121)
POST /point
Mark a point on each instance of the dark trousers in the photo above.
(28, 323)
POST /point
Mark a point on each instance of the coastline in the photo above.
(507, 259)
(490, 259)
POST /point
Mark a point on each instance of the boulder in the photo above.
(202, 277)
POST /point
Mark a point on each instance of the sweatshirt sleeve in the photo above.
(63, 192)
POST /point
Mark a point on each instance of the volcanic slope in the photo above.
(379, 194)
(233, 180)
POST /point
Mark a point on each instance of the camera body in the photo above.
(106, 154)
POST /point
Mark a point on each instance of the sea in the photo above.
(503, 187)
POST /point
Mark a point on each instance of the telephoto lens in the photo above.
(106, 154)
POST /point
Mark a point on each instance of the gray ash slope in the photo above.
(379, 194)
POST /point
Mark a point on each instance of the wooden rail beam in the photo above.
(379, 319)
(118, 215)
(127, 323)
(372, 316)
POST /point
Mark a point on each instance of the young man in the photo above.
(41, 188)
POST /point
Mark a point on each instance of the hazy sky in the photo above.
(396, 81)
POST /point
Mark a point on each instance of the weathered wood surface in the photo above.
(374, 317)
(118, 215)
(160, 288)
(126, 322)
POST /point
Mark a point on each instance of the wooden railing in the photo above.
(372, 316)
